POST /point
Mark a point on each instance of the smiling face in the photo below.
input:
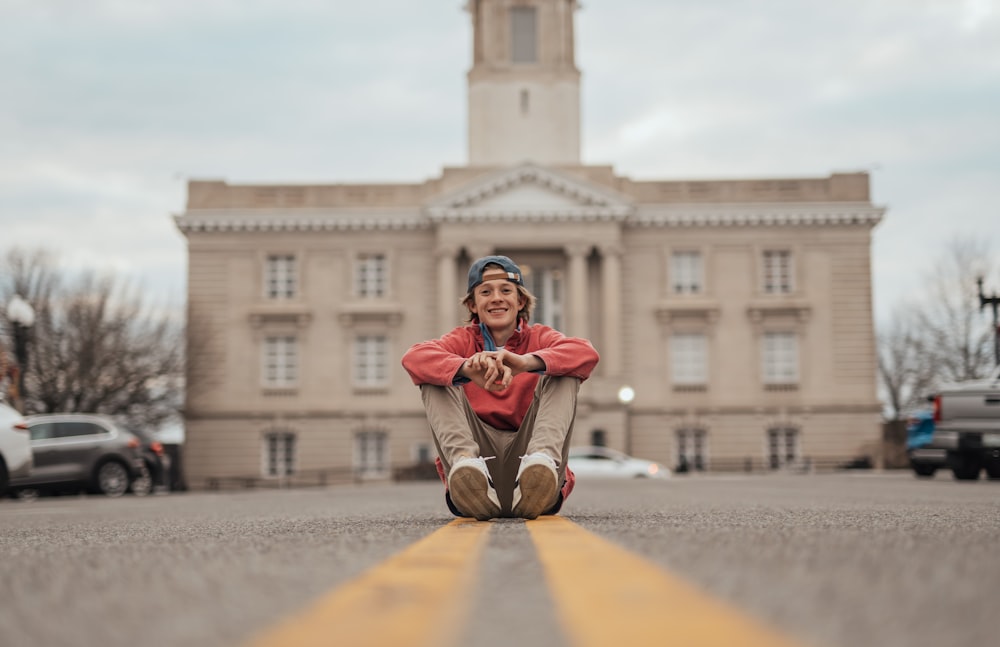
(497, 303)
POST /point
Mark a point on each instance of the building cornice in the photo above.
(762, 215)
(297, 219)
(529, 215)
(461, 210)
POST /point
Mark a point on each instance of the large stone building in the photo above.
(739, 312)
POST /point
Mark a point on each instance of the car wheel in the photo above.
(112, 479)
(143, 483)
(966, 469)
(4, 478)
(924, 470)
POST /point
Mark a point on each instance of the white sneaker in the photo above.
(472, 490)
(537, 485)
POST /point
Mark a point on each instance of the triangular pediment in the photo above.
(529, 192)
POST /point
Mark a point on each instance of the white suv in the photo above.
(15, 446)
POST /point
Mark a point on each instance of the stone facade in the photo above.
(739, 311)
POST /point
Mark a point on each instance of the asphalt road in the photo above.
(835, 560)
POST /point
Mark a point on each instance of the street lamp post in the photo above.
(994, 301)
(22, 316)
(625, 396)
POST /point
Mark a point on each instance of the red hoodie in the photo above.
(437, 362)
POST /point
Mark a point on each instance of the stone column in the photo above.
(611, 309)
(448, 291)
(578, 306)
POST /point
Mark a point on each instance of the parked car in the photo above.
(967, 425)
(602, 462)
(926, 457)
(15, 447)
(81, 451)
(157, 464)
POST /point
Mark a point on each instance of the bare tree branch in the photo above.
(97, 347)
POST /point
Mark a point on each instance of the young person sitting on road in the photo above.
(500, 396)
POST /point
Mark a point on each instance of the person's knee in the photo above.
(560, 384)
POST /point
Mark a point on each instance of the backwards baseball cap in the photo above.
(479, 273)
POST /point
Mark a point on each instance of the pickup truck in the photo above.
(967, 426)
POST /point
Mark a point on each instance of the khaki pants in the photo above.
(547, 427)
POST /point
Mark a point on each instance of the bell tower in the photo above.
(524, 86)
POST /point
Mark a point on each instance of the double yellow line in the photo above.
(604, 595)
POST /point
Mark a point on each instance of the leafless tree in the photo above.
(940, 336)
(957, 337)
(906, 370)
(97, 345)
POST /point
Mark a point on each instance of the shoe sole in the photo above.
(538, 491)
(468, 488)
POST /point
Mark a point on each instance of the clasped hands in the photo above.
(493, 370)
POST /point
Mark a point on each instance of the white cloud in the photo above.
(110, 105)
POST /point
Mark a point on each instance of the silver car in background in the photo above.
(81, 451)
(15, 446)
(603, 462)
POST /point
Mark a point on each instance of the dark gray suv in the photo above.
(74, 451)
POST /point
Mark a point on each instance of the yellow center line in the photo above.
(606, 595)
(420, 594)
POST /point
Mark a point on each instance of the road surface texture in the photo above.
(829, 560)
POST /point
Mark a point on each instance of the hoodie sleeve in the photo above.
(437, 361)
(564, 356)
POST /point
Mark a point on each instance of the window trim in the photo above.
(281, 379)
(361, 284)
(781, 435)
(676, 353)
(674, 272)
(698, 437)
(768, 271)
(276, 271)
(383, 467)
(775, 357)
(286, 444)
(369, 360)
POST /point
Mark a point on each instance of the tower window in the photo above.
(524, 35)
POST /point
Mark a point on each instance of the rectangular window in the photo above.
(782, 446)
(281, 361)
(780, 355)
(370, 276)
(280, 279)
(371, 360)
(524, 35)
(690, 450)
(777, 272)
(686, 273)
(371, 455)
(689, 359)
(279, 453)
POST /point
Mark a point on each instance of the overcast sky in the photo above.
(107, 107)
